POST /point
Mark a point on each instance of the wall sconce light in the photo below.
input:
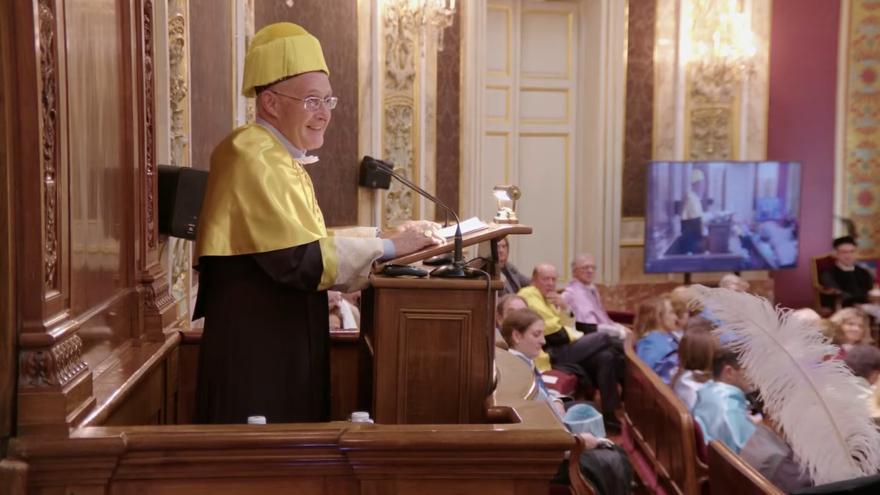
(423, 13)
(507, 197)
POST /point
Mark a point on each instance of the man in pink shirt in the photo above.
(582, 297)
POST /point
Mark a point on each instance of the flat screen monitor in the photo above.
(721, 216)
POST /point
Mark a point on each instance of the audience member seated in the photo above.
(721, 408)
(510, 275)
(604, 464)
(657, 345)
(848, 280)
(507, 304)
(682, 301)
(596, 353)
(734, 282)
(829, 329)
(583, 298)
(864, 361)
(695, 353)
(568, 380)
(770, 455)
(852, 326)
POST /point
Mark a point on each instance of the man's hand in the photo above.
(593, 442)
(556, 299)
(415, 235)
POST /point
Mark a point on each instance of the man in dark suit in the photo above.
(850, 280)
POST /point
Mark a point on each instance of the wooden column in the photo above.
(83, 154)
(155, 296)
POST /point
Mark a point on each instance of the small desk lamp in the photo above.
(507, 197)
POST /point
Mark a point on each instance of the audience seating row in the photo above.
(659, 434)
(731, 475)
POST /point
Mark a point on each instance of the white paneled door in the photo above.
(528, 135)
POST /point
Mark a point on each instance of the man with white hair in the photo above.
(596, 353)
(583, 298)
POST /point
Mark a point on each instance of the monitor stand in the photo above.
(687, 278)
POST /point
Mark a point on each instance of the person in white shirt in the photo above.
(582, 297)
(695, 353)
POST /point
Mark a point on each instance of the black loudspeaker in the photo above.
(181, 190)
(370, 176)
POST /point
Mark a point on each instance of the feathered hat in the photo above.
(279, 51)
(818, 402)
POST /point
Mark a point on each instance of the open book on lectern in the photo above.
(490, 232)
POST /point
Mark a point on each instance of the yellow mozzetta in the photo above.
(258, 198)
(553, 321)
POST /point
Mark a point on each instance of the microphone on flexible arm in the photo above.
(457, 268)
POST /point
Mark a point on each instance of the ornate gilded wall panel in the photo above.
(179, 80)
(399, 112)
(860, 174)
(177, 253)
(156, 298)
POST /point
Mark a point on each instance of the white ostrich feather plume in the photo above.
(818, 403)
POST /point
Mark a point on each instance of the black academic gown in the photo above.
(265, 347)
(853, 285)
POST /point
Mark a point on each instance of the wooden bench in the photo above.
(729, 474)
(659, 433)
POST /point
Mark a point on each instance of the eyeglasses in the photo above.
(312, 103)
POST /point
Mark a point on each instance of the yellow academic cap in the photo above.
(697, 176)
(278, 51)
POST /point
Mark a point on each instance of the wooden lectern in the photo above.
(431, 340)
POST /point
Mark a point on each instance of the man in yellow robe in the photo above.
(265, 257)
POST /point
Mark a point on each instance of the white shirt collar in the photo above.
(845, 268)
(521, 355)
(297, 154)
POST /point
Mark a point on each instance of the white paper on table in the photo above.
(550, 379)
(472, 224)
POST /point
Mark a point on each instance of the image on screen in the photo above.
(721, 216)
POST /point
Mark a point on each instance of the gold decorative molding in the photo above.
(711, 133)
(706, 107)
(55, 366)
(150, 178)
(177, 252)
(179, 85)
(399, 112)
(49, 138)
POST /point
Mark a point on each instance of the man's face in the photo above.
(503, 251)
(545, 280)
(512, 305)
(304, 129)
(737, 378)
(845, 254)
(699, 187)
(584, 269)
